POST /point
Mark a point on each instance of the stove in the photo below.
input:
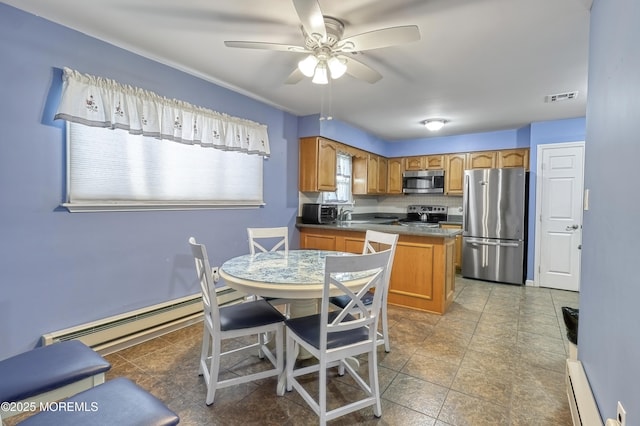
(421, 215)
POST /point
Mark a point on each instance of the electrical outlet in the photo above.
(622, 415)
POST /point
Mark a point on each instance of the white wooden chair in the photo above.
(376, 241)
(277, 239)
(249, 318)
(333, 336)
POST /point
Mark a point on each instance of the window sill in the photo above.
(151, 206)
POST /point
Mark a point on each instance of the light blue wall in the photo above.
(337, 130)
(60, 269)
(485, 141)
(609, 336)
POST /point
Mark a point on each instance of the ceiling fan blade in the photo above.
(361, 71)
(266, 46)
(380, 38)
(311, 17)
(295, 77)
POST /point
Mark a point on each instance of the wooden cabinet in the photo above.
(382, 175)
(414, 163)
(434, 162)
(317, 240)
(457, 260)
(317, 167)
(481, 160)
(394, 176)
(369, 175)
(424, 162)
(513, 158)
(372, 174)
(423, 274)
(454, 174)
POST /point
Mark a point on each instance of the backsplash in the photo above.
(393, 204)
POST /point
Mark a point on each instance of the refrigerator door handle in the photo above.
(465, 203)
(492, 243)
(508, 244)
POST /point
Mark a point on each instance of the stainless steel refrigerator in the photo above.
(494, 225)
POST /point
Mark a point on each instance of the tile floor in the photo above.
(497, 357)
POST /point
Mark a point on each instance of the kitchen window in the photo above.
(343, 194)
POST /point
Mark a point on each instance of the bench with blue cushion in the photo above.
(117, 402)
(49, 373)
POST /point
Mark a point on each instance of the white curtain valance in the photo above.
(100, 102)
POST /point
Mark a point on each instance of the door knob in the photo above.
(572, 227)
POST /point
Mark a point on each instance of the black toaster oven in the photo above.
(315, 213)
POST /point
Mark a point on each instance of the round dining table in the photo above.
(296, 274)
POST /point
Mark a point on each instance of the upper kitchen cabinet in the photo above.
(424, 162)
(513, 158)
(317, 167)
(414, 163)
(481, 160)
(454, 173)
(369, 175)
(435, 162)
(394, 175)
(383, 165)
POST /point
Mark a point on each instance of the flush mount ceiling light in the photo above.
(434, 124)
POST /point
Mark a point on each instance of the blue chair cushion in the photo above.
(46, 368)
(341, 301)
(118, 402)
(308, 328)
(249, 314)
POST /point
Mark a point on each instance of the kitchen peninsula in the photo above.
(423, 274)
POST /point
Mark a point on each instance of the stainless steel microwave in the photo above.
(423, 182)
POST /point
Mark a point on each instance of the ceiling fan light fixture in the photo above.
(320, 76)
(337, 67)
(308, 65)
(434, 124)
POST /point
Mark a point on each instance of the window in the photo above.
(115, 170)
(342, 195)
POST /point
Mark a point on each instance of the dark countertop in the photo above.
(386, 227)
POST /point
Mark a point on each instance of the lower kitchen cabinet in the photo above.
(318, 241)
(423, 274)
(458, 246)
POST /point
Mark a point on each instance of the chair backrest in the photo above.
(207, 283)
(369, 270)
(278, 236)
(385, 241)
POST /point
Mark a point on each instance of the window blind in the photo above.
(113, 169)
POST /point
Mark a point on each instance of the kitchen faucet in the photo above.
(344, 214)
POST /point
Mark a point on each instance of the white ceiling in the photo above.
(483, 65)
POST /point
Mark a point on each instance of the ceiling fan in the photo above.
(328, 54)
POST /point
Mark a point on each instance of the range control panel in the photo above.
(416, 208)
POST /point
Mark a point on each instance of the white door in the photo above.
(560, 186)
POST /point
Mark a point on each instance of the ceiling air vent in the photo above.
(561, 97)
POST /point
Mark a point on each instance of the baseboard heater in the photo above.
(584, 410)
(131, 328)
